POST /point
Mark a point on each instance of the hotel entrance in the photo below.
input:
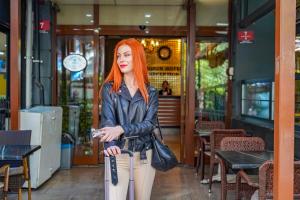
(78, 91)
(162, 28)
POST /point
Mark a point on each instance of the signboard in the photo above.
(246, 37)
(44, 25)
(75, 62)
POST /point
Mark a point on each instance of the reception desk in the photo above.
(169, 111)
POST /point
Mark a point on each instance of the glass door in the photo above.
(211, 79)
(76, 95)
(4, 81)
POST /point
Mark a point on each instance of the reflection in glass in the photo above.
(3, 82)
(75, 91)
(257, 99)
(211, 78)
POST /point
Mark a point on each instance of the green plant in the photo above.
(64, 101)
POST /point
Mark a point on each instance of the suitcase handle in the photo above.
(130, 153)
(123, 151)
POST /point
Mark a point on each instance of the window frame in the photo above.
(271, 100)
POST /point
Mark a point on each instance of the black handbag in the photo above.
(163, 158)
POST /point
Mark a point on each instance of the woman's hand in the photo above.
(112, 151)
(110, 133)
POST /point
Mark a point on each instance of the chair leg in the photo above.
(27, 175)
(20, 194)
(198, 161)
(223, 192)
(238, 189)
(211, 171)
(29, 189)
(202, 165)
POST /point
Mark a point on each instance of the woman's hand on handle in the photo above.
(111, 133)
(112, 151)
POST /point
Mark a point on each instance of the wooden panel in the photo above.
(190, 85)
(169, 112)
(15, 63)
(285, 17)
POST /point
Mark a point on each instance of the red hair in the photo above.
(139, 63)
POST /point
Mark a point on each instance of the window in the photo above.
(258, 99)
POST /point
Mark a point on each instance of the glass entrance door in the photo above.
(76, 96)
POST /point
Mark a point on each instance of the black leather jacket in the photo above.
(133, 114)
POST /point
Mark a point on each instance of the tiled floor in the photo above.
(86, 183)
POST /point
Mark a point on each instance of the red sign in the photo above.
(44, 25)
(245, 36)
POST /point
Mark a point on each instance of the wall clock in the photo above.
(164, 52)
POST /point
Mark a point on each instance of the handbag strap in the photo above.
(159, 128)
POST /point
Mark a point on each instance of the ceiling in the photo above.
(135, 2)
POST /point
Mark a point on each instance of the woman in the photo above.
(165, 90)
(128, 117)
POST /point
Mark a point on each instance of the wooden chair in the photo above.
(228, 181)
(4, 172)
(204, 144)
(17, 172)
(215, 144)
(265, 181)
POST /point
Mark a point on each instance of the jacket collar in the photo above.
(124, 92)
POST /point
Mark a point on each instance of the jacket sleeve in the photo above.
(108, 114)
(148, 124)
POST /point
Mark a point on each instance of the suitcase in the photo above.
(131, 178)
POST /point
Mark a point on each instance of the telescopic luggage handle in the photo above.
(130, 153)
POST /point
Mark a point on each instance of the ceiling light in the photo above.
(222, 32)
(147, 15)
(221, 24)
(5, 45)
(146, 22)
(88, 15)
(2, 53)
(92, 21)
(146, 31)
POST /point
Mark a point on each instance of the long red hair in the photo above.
(139, 63)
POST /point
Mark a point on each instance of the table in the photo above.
(245, 159)
(21, 153)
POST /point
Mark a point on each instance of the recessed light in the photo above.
(148, 15)
(222, 24)
(222, 32)
(89, 15)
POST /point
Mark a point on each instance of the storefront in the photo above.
(162, 29)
